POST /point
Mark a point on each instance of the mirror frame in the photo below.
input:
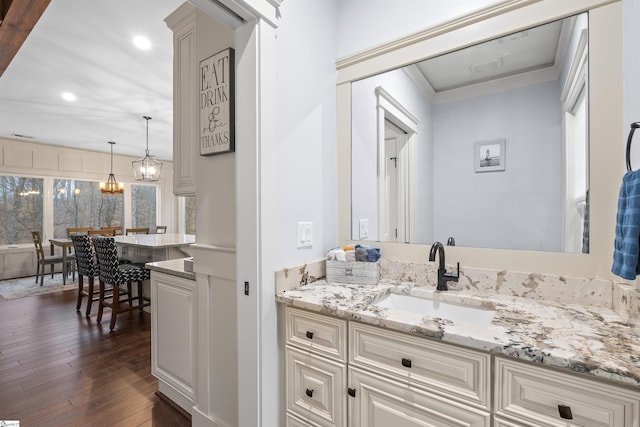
(606, 157)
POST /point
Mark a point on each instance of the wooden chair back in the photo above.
(38, 244)
(141, 230)
(83, 230)
(161, 229)
(119, 230)
(102, 232)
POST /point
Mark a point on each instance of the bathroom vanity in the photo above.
(351, 362)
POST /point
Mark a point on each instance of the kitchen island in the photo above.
(154, 247)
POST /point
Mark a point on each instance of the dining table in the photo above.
(65, 243)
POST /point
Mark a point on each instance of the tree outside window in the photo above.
(143, 206)
(20, 208)
(81, 204)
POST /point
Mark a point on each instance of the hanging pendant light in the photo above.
(111, 186)
(146, 168)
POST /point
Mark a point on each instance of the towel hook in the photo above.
(634, 126)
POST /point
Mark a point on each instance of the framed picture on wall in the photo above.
(217, 97)
(490, 155)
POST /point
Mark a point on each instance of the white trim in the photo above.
(577, 76)
(388, 108)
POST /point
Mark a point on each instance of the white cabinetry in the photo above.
(316, 369)
(384, 378)
(173, 337)
(185, 100)
(528, 395)
(397, 379)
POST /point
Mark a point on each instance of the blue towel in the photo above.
(626, 251)
(373, 254)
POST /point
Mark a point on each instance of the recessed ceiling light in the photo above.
(142, 42)
(68, 96)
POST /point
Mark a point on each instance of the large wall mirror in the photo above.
(501, 129)
(487, 145)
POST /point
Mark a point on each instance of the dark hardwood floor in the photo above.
(59, 368)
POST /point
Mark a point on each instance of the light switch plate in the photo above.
(364, 229)
(305, 235)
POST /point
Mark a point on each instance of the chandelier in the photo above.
(111, 186)
(146, 168)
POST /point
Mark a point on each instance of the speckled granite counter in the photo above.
(174, 267)
(585, 339)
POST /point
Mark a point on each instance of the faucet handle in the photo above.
(453, 276)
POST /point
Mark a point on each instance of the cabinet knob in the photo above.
(406, 362)
(565, 412)
(309, 335)
(308, 392)
(351, 392)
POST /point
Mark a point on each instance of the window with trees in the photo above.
(143, 206)
(190, 215)
(20, 208)
(81, 204)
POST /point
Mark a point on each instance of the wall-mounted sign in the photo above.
(217, 91)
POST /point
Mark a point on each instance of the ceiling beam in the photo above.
(17, 20)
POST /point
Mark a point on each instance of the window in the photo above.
(143, 206)
(81, 204)
(20, 209)
(190, 215)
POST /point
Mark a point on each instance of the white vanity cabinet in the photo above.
(529, 395)
(173, 337)
(398, 379)
(316, 371)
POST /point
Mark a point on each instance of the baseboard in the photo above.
(173, 404)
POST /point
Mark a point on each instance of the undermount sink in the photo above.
(458, 313)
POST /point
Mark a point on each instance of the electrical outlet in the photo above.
(364, 229)
(305, 235)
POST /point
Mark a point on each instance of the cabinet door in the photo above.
(316, 388)
(379, 402)
(173, 339)
(532, 395)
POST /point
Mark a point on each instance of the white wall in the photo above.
(306, 128)
(528, 193)
(631, 80)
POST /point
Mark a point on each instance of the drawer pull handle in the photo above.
(309, 335)
(565, 412)
(308, 392)
(351, 392)
(406, 362)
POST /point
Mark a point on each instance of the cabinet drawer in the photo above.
(322, 334)
(532, 394)
(379, 402)
(292, 421)
(316, 388)
(443, 368)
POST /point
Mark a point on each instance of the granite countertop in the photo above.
(174, 267)
(156, 241)
(589, 340)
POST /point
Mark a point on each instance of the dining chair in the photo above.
(84, 230)
(111, 272)
(118, 229)
(102, 232)
(142, 230)
(161, 229)
(87, 267)
(44, 260)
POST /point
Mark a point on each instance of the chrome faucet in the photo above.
(443, 276)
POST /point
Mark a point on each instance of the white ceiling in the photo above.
(85, 47)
